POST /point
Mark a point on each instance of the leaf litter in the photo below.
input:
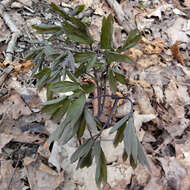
(158, 85)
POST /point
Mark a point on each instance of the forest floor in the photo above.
(159, 87)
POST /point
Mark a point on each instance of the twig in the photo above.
(110, 115)
(4, 75)
(15, 31)
(122, 18)
(117, 98)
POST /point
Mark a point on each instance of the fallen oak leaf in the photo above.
(176, 52)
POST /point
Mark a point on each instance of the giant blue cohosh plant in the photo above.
(62, 56)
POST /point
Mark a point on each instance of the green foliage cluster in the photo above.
(72, 111)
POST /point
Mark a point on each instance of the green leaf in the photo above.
(64, 86)
(132, 40)
(86, 160)
(69, 61)
(124, 156)
(119, 124)
(117, 57)
(130, 139)
(43, 77)
(47, 29)
(44, 71)
(60, 112)
(99, 176)
(72, 77)
(77, 94)
(89, 118)
(112, 82)
(76, 34)
(50, 109)
(80, 70)
(83, 28)
(88, 88)
(132, 162)
(119, 77)
(77, 10)
(119, 135)
(91, 63)
(106, 40)
(56, 133)
(97, 153)
(49, 93)
(103, 167)
(75, 109)
(54, 101)
(82, 150)
(67, 129)
(60, 11)
(84, 57)
(60, 58)
(33, 53)
(82, 127)
(142, 156)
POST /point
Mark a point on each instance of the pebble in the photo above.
(16, 5)
(26, 2)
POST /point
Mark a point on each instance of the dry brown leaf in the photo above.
(148, 61)
(142, 83)
(144, 101)
(28, 161)
(139, 119)
(10, 178)
(186, 3)
(185, 183)
(56, 156)
(41, 177)
(176, 52)
(173, 170)
(135, 53)
(154, 47)
(176, 93)
(23, 66)
(14, 106)
(183, 153)
(4, 139)
(44, 150)
(26, 137)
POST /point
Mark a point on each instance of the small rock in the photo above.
(16, 5)
(26, 2)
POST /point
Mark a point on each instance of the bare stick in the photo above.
(15, 31)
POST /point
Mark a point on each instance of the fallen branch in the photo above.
(15, 31)
(12, 43)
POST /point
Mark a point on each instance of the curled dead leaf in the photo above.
(176, 52)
